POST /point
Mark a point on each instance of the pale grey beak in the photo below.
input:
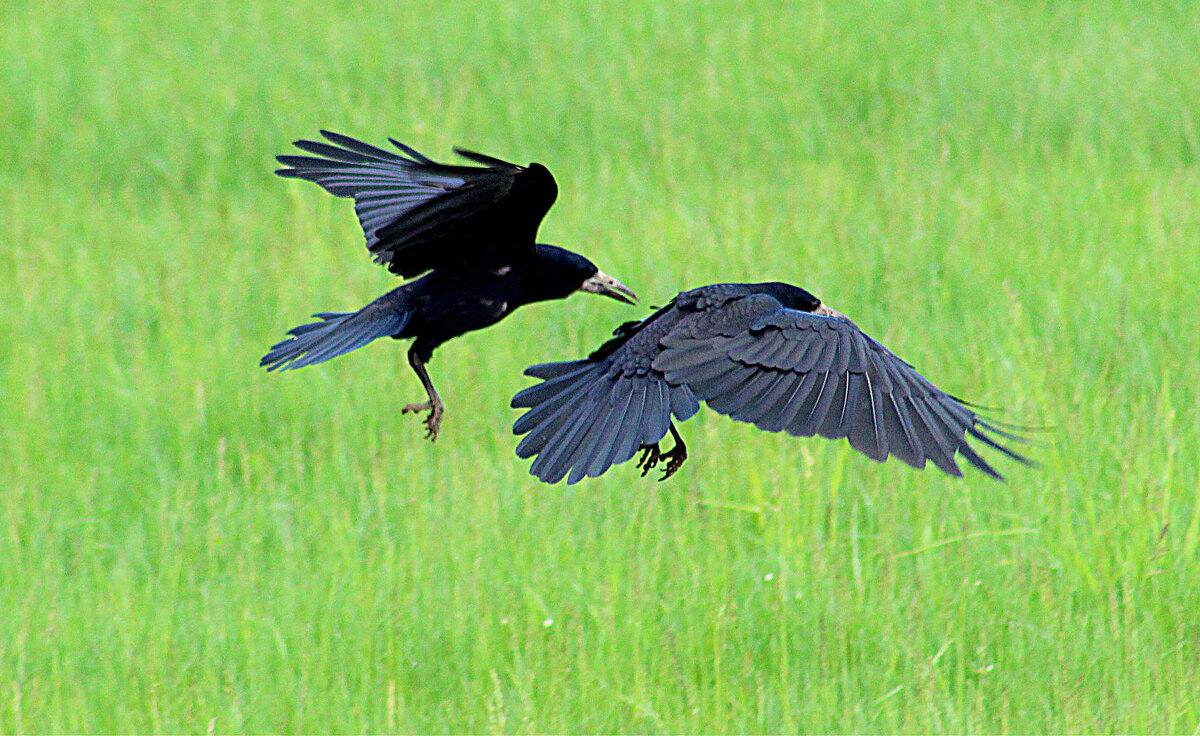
(826, 311)
(606, 285)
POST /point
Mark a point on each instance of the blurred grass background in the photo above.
(1003, 192)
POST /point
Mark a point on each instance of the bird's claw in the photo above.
(675, 458)
(649, 458)
(652, 456)
(433, 422)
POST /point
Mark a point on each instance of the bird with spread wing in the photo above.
(770, 354)
(471, 230)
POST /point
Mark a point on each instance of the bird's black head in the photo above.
(792, 297)
(556, 273)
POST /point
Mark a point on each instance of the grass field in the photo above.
(1006, 193)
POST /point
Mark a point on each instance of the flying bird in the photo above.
(770, 354)
(471, 230)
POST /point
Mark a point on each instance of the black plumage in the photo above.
(769, 354)
(471, 230)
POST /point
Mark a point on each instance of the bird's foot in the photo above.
(652, 456)
(433, 422)
(649, 458)
(675, 458)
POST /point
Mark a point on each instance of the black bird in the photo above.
(769, 354)
(472, 228)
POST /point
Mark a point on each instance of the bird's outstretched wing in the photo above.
(807, 374)
(418, 214)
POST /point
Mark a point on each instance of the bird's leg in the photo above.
(675, 456)
(651, 456)
(433, 422)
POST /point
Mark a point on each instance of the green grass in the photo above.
(1004, 192)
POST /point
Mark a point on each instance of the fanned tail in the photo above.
(586, 416)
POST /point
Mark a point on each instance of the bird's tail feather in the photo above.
(336, 334)
(586, 416)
